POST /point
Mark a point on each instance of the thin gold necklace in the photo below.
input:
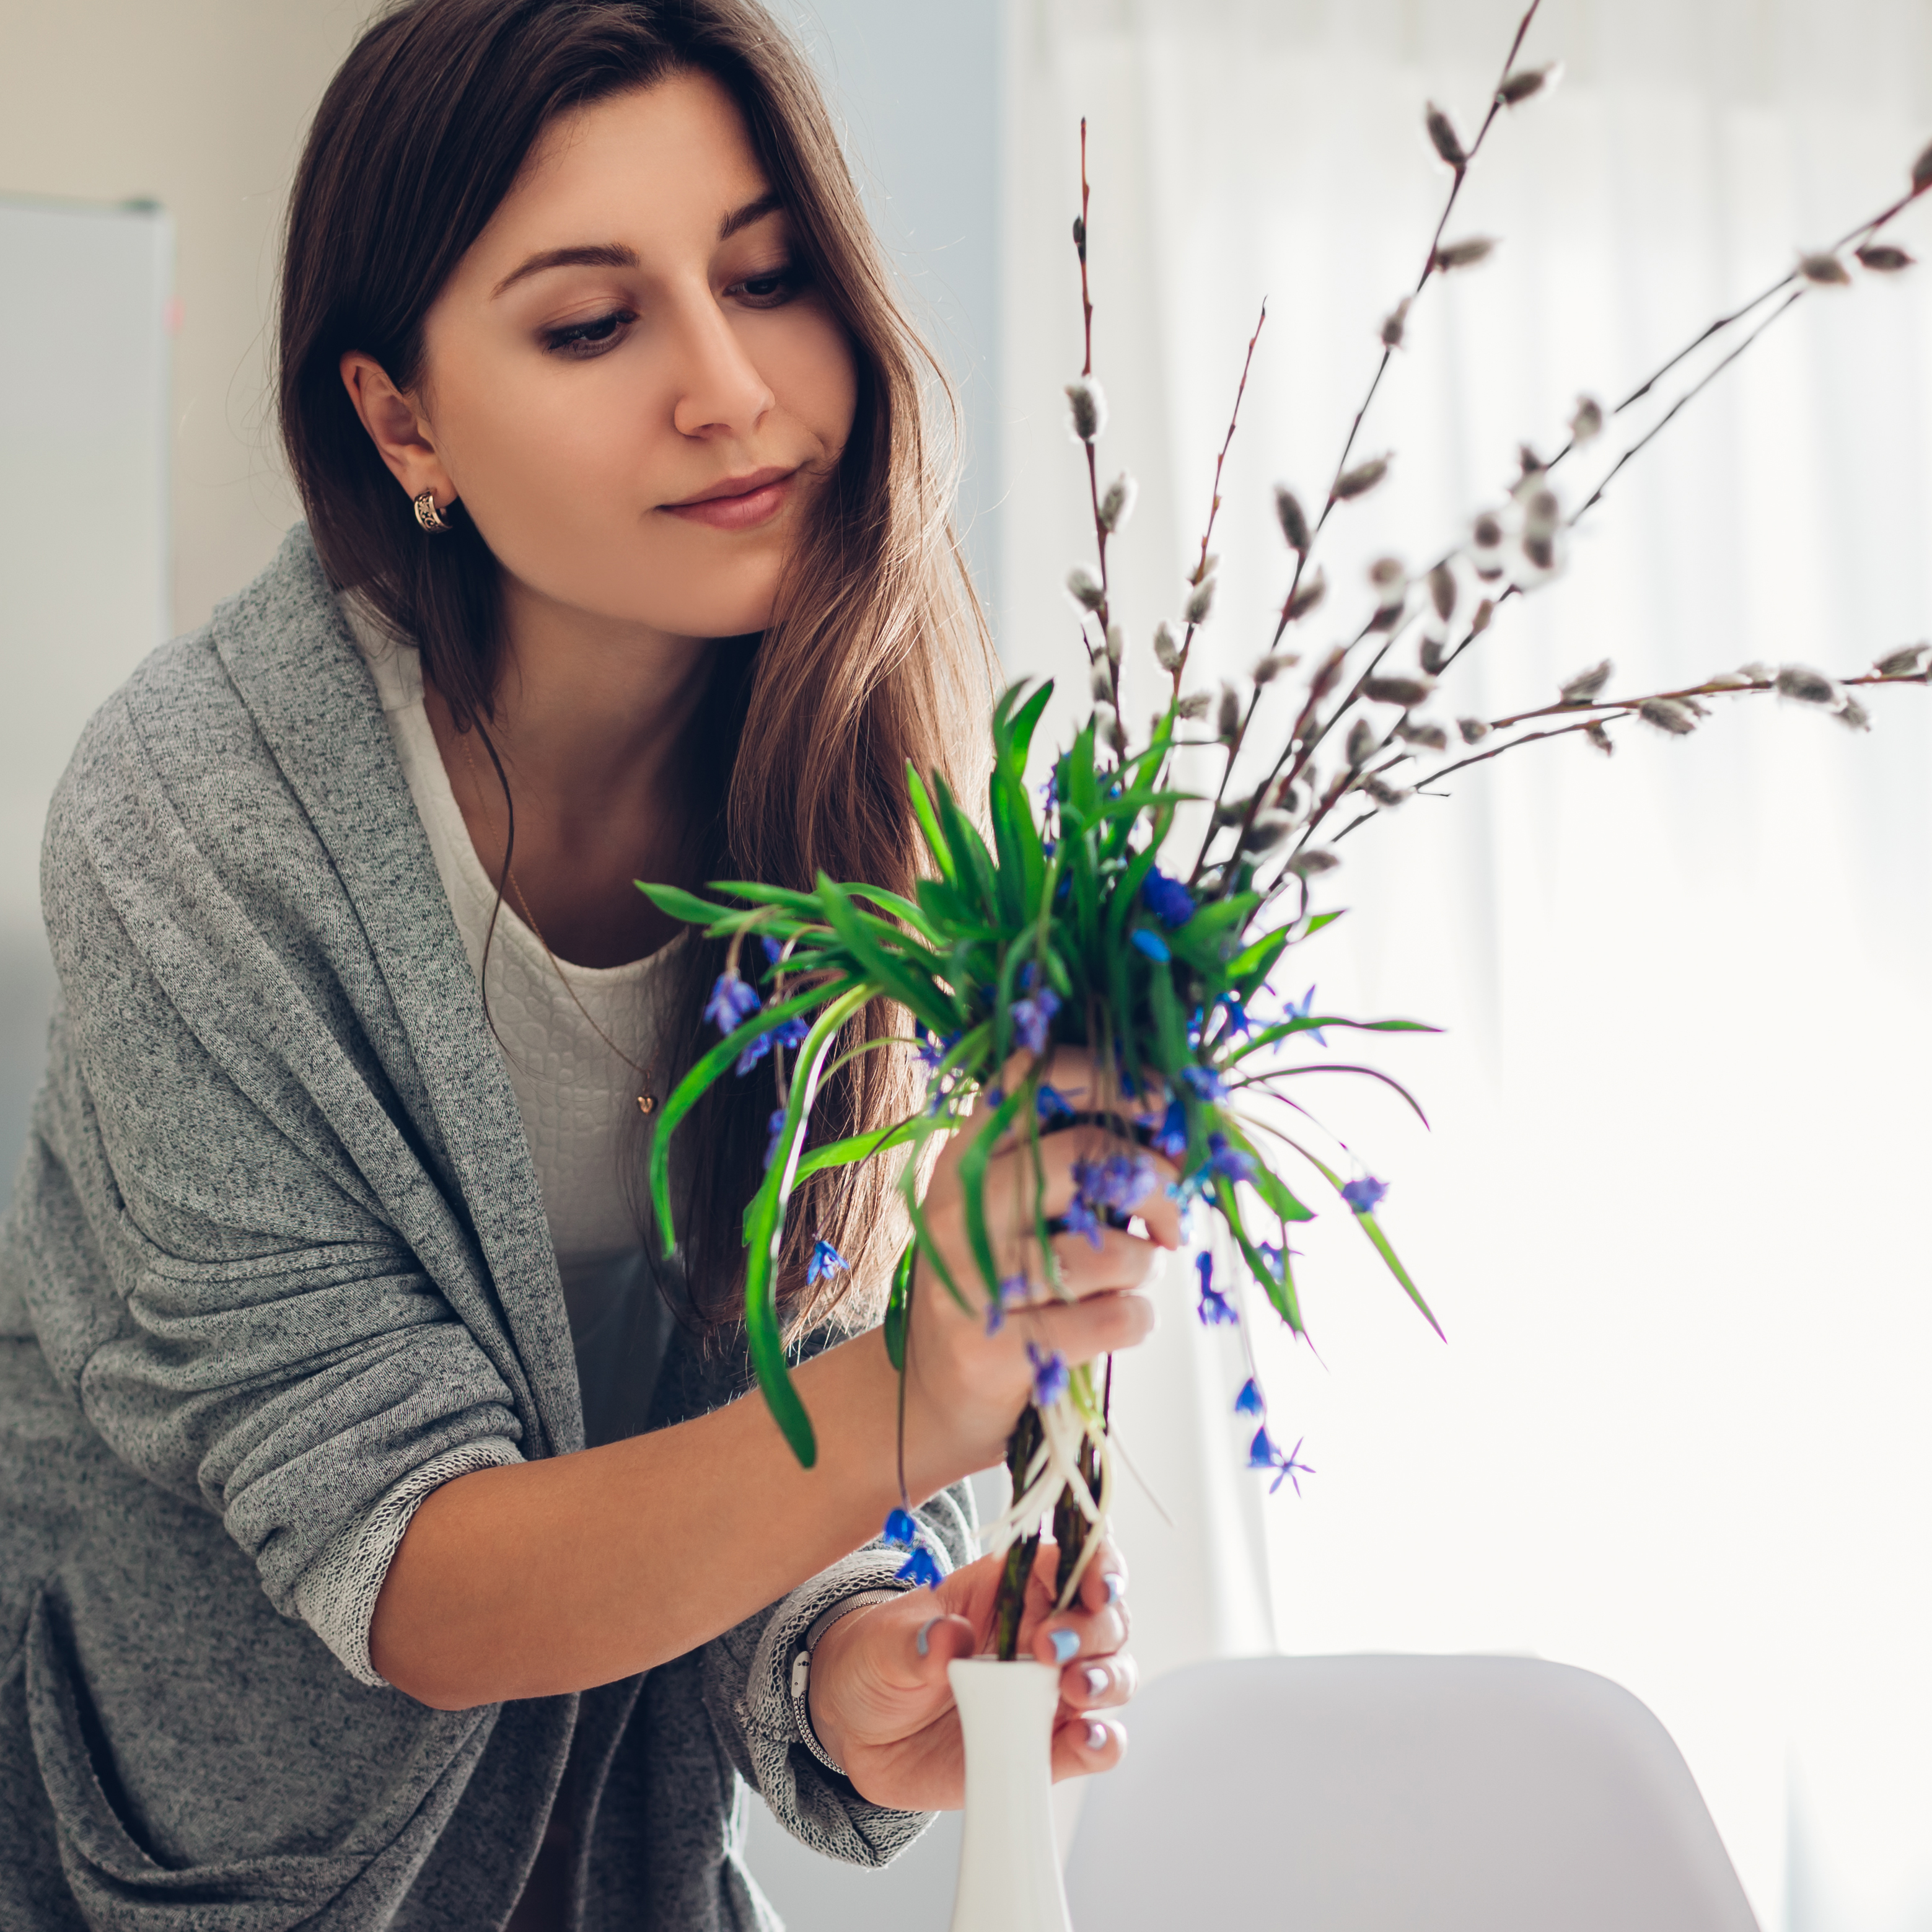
(646, 1075)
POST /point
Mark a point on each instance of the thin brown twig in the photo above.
(1429, 267)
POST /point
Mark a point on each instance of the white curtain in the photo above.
(1673, 1211)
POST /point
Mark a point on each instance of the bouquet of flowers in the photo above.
(1112, 911)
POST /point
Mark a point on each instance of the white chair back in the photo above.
(1398, 1794)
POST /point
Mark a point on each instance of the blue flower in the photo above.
(774, 1127)
(1033, 1015)
(1049, 1374)
(900, 1528)
(1238, 1020)
(1274, 1259)
(1203, 1082)
(794, 1032)
(995, 1098)
(1151, 943)
(826, 1261)
(1229, 1162)
(921, 1571)
(1051, 1102)
(1362, 1194)
(1262, 1454)
(1171, 1137)
(1248, 1401)
(1290, 1010)
(1117, 1182)
(755, 1052)
(1081, 1219)
(731, 1002)
(1216, 1309)
(1008, 1288)
(932, 1050)
(1167, 899)
(774, 948)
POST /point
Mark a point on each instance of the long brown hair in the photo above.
(877, 655)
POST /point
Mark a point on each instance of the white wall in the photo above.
(200, 105)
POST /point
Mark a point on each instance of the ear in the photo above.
(398, 429)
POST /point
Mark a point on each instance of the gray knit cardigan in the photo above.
(277, 1242)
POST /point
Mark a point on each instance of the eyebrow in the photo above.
(751, 212)
(589, 255)
(615, 255)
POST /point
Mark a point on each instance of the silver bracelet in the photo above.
(801, 1668)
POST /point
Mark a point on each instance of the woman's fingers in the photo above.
(1081, 1635)
(1083, 1745)
(1011, 1177)
(1103, 1325)
(1099, 1685)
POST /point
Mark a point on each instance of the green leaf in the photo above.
(1024, 721)
(1372, 1228)
(1280, 1294)
(855, 1148)
(691, 1090)
(928, 824)
(1268, 1036)
(969, 851)
(1268, 1184)
(898, 1306)
(686, 906)
(764, 1232)
(973, 1164)
(892, 973)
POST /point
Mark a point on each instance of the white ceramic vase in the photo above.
(1008, 1864)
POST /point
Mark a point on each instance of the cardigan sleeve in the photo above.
(745, 1673)
(747, 1692)
(214, 1275)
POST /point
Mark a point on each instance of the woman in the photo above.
(384, 1545)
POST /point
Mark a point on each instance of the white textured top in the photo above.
(578, 1097)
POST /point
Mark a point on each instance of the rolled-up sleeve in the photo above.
(209, 1239)
(747, 1691)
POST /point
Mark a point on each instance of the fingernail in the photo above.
(1065, 1646)
(924, 1639)
(1097, 1679)
(1116, 1585)
(1098, 1737)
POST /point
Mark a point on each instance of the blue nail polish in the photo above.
(1098, 1737)
(923, 1642)
(1065, 1646)
(1116, 1587)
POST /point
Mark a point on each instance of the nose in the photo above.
(720, 393)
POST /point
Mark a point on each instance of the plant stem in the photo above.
(1009, 1601)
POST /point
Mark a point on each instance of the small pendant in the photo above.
(647, 1105)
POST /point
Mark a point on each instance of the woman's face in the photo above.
(626, 383)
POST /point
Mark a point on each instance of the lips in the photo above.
(737, 503)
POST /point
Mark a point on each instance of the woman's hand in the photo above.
(883, 1707)
(965, 1385)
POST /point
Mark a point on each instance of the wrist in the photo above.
(815, 1671)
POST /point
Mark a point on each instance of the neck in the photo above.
(590, 720)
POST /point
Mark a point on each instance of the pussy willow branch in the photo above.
(1595, 714)
(1103, 615)
(1214, 495)
(1864, 232)
(1459, 173)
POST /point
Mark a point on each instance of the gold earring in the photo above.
(430, 517)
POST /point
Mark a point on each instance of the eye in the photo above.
(584, 339)
(770, 288)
